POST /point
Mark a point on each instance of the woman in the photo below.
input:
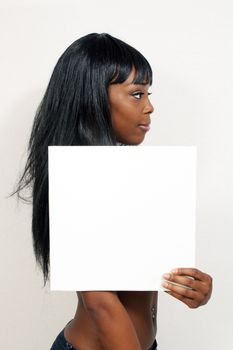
(98, 95)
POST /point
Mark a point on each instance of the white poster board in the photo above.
(120, 217)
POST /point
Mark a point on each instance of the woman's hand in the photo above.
(199, 286)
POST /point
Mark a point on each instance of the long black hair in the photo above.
(75, 111)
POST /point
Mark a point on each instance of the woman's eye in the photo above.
(138, 95)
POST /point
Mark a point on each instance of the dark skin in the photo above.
(82, 332)
(126, 320)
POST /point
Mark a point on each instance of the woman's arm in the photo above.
(199, 286)
(112, 322)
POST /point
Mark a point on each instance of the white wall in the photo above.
(189, 44)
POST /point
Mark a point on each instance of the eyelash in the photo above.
(140, 93)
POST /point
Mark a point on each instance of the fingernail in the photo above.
(165, 284)
(174, 271)
(167, 276)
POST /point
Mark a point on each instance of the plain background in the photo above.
(189, 45)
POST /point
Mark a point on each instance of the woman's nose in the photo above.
(149, 108)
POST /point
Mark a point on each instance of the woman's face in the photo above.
(130, 110)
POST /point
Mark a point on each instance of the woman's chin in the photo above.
(133, 141)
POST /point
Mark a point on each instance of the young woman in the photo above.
(98, 94)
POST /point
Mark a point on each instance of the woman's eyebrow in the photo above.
(137, 84)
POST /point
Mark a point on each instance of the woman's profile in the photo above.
(98, 94)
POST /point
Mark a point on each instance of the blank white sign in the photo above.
(120, 217)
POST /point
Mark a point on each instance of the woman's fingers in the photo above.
(183, 292)
(194, 286)
(192, 272)
(185, 281)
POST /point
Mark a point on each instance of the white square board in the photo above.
(120, 217)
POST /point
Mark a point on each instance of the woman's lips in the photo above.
(144, 127)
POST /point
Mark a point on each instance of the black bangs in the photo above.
(143, 71)
(119, 60)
